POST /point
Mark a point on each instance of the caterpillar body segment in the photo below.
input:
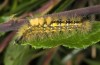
(48, 20)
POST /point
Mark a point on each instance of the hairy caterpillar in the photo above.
(49, 27)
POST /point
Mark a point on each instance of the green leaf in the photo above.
(16, 54)
(71, 40)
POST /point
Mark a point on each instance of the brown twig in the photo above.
(4, 27)
(78, 12)
(93, 52)
(12, 25)
(79, 58)
(69, 62)
(4, 4)
(49, 56)
(6, 41)
(48, 6)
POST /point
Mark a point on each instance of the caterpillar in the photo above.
(40, 28)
